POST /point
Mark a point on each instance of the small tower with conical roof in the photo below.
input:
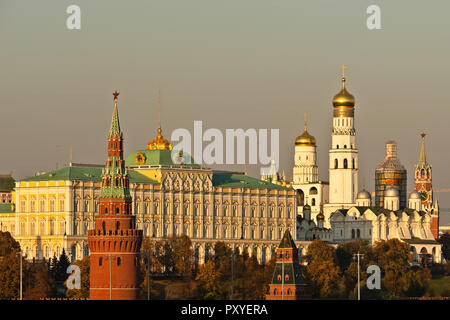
(305, 159)
(287, 281)
(114, 243)
(423, 185)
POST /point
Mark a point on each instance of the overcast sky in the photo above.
(232, 64)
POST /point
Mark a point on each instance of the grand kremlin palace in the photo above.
(54, 210)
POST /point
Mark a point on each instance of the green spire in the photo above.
(115, 125)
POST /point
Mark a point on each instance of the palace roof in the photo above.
(6, 183)
(93, 174)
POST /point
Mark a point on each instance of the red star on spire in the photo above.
(423, 135)
(115, 94)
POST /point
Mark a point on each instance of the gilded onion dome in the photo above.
(343, 102)
(305, 139)
(159, 143)
(320, 216)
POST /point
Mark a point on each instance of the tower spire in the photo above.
(115, 124)
(423, 155)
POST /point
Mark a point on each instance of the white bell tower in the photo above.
(343, 166)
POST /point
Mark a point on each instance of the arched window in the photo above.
(337, 147)
(117, 225)
(289, 292)
(358, 233)
(422, 173)
(353, 163)
(313, 202)
(118, 261)
(100, 261)
(103, 226)
(313, 190)
(345, 146)
(353, 233)
(275, 292)
(106, 210)
(335, 163)
(345, 164)
(117, 210)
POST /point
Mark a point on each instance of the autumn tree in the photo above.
(322, 273)
(83, 292)
(9, 266)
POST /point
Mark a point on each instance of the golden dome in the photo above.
(320, 216)
(343, 102)
(159, 143)
(343, 99)
(305, 139)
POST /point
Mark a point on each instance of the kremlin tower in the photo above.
(287, 282)
(114, 243)
(422, 183)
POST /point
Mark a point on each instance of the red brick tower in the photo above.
(115, 242)
(287, 265)
(423, 184)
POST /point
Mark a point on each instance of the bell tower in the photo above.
(343, 165)
(114, 243)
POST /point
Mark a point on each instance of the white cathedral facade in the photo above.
(335, 211)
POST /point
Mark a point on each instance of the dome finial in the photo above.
(305, 122)
(343, 75)
(159, 143)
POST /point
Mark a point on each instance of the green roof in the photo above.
(232, 180)
(286, 241)
(6, 183)
(93, 174)
(159, 158)
(6, 208)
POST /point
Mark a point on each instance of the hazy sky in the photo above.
(233, 64)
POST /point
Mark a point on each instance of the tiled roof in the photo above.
(85, 174)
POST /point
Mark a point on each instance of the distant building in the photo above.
(373, 223)
(287, 281)
(390, 173)
(308, 230)
(7, 183)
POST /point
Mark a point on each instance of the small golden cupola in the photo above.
(343, 102)
(159, 143)
(305, 139)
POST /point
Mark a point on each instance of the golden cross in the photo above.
(343, 70)
(305, 121)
